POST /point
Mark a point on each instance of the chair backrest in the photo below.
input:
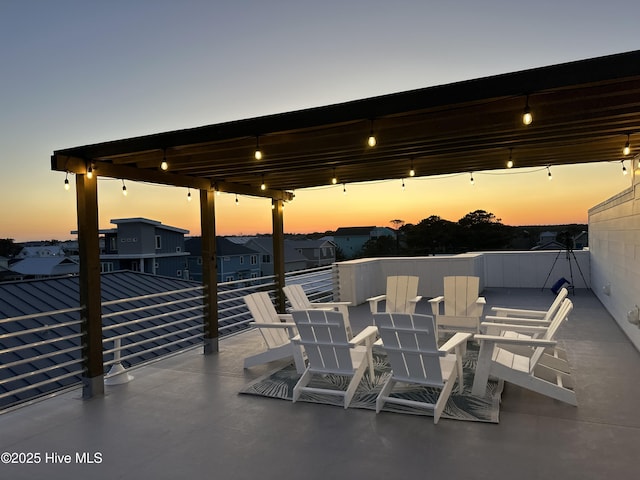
(324, 336)
(460, 296)
(561, 315)
(263, 311)
(297, 297)
(400, 290)
(411, 346)
(562, 294)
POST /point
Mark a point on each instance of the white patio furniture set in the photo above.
(515, 345)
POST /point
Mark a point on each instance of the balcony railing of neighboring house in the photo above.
(41, 353)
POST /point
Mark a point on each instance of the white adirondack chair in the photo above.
(410, 341)
(323, 335)
(526, 356)
(524, 316)
(401, 297)
(277, 331)
(299, 301)
(462, 305)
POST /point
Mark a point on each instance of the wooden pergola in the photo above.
(583, 111)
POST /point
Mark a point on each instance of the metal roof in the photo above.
(37, 296)
(583, 111)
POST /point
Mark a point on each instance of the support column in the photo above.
(90, 293)
(209, 270)
(278, 251)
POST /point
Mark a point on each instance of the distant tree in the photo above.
(379, 247)
(481, 230)
(432, 235)
(8, 248)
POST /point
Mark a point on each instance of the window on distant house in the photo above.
(254, 259)
(158, 242)
(106, 267)
(241, 260)
(113, 244)
(199, 261)
(254, 275)
(266, 258)
(229, 278)
(178, 273)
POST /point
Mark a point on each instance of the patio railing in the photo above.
(41, 353)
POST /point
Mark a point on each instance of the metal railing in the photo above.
(41, 353)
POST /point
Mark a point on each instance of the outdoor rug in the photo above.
(280, 383)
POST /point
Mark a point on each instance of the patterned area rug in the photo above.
(280, 383)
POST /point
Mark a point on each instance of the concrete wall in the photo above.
(364, 278)
(614, 240)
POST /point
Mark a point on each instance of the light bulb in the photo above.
(412, 173)
(473, 182)
(624, 169)
(164, 165)
(549, 176)
(66, 182)
(237, 203)
(344, 189)
(90, 172)
(527, 117)
(263, 187)
(403, 184)
(258, 155)
(627, 147)
(189, 196)
(372, 140)
(510, 164)
(124, 190)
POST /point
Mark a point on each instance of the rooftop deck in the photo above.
(183, 417)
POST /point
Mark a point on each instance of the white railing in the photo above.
(42, 353)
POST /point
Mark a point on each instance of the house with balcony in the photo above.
(317, 252)
(233, 261)
(144, 245)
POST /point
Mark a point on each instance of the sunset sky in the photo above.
(76, 72)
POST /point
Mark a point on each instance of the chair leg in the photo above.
(353, 385)
(303, 382)
(384, 393)
(483, 369)
(443, 397)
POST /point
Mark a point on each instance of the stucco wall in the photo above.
(614, 239)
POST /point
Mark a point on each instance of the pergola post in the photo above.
(277, 211)
(90, 293)
(209, 270)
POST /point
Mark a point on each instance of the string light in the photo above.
(473, 182)
(237, 202)
(164, 166)
(403, 184)
(372, 138)
(344, 188)
(549, 176)
(124, 189)
(263, 186)
(66, 181)
(510, 161)
(412, 172)
(334, 179)
(627, 147)
(527, 117)
(90, 172)
(624, 169)
(258, 153)
(188, 194)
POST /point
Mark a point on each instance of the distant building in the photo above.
(144, 245)
(42, 267)
(351, 240)
(233, 261)
(42, 250)
(317, 252)
(293, 259)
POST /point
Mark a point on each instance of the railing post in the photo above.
(117, 373)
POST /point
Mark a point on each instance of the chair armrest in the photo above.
(532, 342)
(369, 333)
(518, 328)
(273, 324)
(455, 341)
(416, 299)
(518, 312)
(373, 302)
(516, 320)
(285, 317)
(435, 304)
(481, 301)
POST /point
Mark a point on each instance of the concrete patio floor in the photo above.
(183, 418)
